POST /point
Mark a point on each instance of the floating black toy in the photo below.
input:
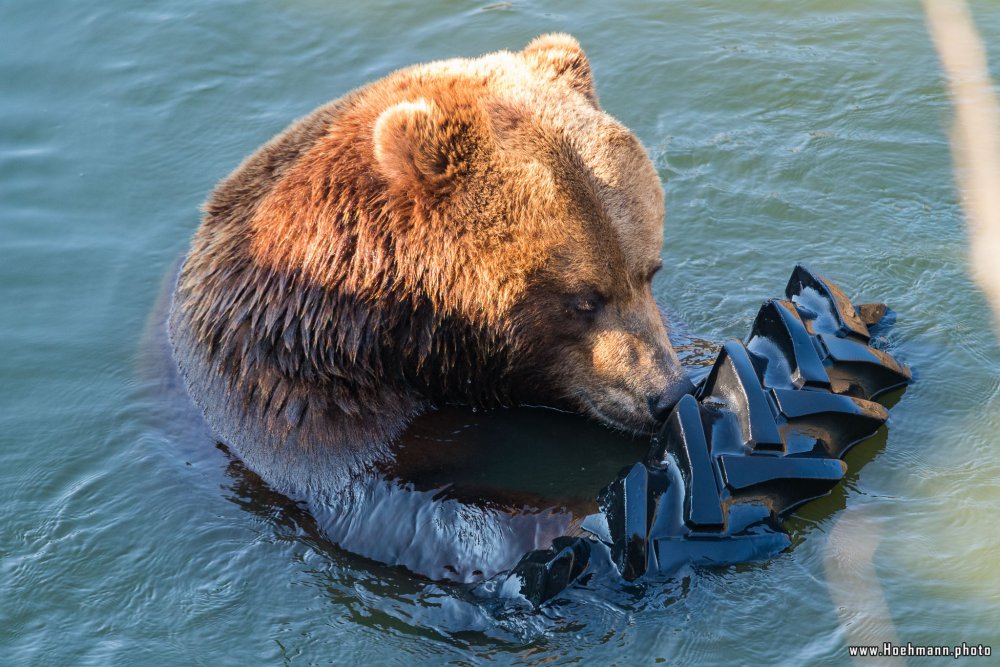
(764, 433)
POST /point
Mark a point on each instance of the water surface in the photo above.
(815, 131)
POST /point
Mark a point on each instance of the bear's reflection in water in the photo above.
(466, 494)
(467, 491)
(514, 457)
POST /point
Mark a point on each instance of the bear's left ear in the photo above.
(419, 148)
(562, 58)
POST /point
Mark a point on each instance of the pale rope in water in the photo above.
(855, 588)
(975, 137)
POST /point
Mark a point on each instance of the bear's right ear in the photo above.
(562, 58)
(420, 148)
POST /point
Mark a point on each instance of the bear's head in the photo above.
(470, 230)
(552, 214)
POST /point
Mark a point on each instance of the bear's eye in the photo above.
(588, 305)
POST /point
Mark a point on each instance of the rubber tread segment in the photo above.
(779, 326)
(850, 323)
(684, 438)
(733, 383)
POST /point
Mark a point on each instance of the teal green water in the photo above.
(813, 131)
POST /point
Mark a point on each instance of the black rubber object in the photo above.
(764, 433)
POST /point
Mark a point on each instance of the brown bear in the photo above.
(473, 231)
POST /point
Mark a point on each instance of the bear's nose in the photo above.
(661, 404)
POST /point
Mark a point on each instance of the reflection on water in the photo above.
(543, 455)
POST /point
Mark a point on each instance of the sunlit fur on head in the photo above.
(431, 238)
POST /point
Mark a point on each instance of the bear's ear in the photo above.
(420, 148)
(560, 57)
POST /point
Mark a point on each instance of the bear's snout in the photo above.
(662, 403)
(634, 378)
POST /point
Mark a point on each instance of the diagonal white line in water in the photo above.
(975, 137)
